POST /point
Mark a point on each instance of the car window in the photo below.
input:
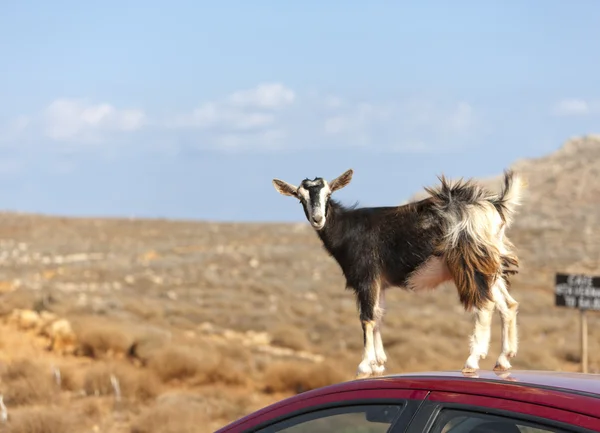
(371, 418)
(460, 421)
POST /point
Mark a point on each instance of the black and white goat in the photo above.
(456, 236)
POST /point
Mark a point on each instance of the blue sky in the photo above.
(188, 109)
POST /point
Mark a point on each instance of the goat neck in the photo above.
(333, 234)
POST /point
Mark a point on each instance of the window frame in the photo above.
(431, 410)
(409, 407)
(315, 413)
(493, 415)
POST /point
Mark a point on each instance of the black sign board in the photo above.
(577, 291)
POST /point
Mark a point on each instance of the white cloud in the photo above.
(270, 116)
(448, 117)
(248, 118)
(79, 120)
(411, 125)
(267, 95)
(251, 109)
(214, 115)
(355, 120)
(572, 107)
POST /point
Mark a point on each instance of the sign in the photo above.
(580, 292)
(577, 291)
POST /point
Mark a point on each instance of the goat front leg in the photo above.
(480, 340)
(367, 295)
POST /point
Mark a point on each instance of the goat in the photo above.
(454, 236)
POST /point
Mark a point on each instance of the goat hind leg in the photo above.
(480, 339)
(510, 267)
(507, 307)
(506, 317)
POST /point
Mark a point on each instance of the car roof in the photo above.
(577, 383)
(576, 392)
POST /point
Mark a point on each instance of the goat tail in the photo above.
(472, 244)
(510, 196)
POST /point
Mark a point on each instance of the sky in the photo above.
(188, 109)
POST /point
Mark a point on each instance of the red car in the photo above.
(439, 402)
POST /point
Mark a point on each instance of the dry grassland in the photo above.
(184, 326)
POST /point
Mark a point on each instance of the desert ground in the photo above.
(157, 326)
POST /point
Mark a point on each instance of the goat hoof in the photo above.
(472, 364)
(499, 367)
(362, 375)
(469, 370)
(378, 370)
(364, 370)
(502, 363)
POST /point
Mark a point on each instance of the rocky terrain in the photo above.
(148, 326)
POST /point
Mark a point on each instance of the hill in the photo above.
(130, 323)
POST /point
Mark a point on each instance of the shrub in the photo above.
(290, 337)
(200, 367)
(26, 382)
(39, 420)
(134, 384)
(296, 377)
(98, 340)
(183, 417)
(179, 363)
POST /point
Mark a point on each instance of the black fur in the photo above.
(388, 242)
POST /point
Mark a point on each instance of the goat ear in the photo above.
(285, 188)
(341, 181)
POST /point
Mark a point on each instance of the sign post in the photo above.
(581, 292)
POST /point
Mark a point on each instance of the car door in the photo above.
(359, 411)
(451, 412)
